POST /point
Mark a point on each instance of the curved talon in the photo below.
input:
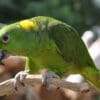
(16, 88)
(47, 76)
(20, 78)
(23, 84)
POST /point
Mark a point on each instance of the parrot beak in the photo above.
(3, 55)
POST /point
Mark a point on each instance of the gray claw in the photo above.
(47, 76)
(23, 84)
(16, 88)
(20, 78)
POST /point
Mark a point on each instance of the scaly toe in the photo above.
(20, 78)
(47, 76)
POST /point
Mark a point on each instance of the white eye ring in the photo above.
(5, 38)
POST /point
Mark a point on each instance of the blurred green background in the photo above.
(81, 14)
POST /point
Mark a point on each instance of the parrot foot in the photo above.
(20, 78)
(47, 76)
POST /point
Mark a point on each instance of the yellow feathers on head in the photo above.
(28, 25)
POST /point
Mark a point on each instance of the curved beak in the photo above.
(3, 55)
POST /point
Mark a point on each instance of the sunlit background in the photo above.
(83, 15)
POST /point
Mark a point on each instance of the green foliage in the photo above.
(78, 13)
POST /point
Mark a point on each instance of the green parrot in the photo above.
(51, 44)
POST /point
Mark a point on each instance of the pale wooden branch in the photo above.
(7, 87)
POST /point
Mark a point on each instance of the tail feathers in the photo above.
(93, 76)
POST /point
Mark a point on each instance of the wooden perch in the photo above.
(7, 87)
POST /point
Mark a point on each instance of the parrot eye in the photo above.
(5, 39)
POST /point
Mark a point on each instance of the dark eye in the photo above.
(5, 39)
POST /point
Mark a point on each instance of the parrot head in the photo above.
(15, 36)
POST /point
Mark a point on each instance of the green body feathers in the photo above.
(52, 44)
